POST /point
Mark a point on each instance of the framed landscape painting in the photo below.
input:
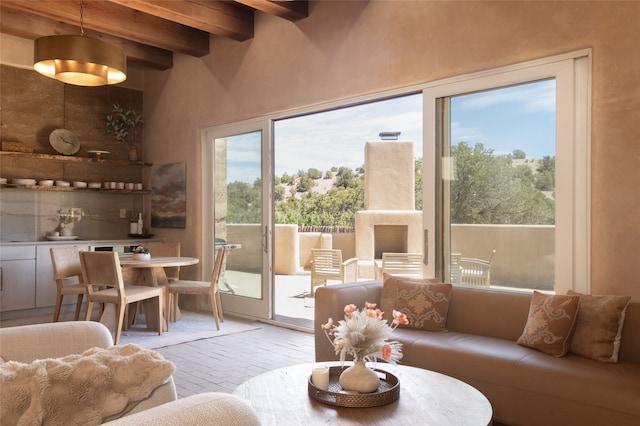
(169, 196)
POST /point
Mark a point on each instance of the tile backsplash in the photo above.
(27, 215)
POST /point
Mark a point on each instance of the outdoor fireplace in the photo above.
(389, 222)
(389, 238)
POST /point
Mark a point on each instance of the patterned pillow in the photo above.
(599, 326)
(550, 324)
(424, 302)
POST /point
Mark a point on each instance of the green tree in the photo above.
(278, 193)
(335, 208)
(244, 202)
(519, 154)
(346, 178)
(314, 173)
(304, 183)
(418, 184)
(488, 189)
(546, 176)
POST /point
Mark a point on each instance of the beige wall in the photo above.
(350, 48)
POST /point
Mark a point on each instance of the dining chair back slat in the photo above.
(66, 266)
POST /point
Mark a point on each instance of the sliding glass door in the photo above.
(237, 218)
(506, 186)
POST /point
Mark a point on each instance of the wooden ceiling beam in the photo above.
(216, 17)
(122, 22)
(291, 10)
(25, 25)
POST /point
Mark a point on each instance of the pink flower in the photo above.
(399, 318)
(369, 305)
(386, 352)
(371, 313)
(349, 309)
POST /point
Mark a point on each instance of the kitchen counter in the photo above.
(83, 240)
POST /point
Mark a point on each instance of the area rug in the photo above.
(192, 326)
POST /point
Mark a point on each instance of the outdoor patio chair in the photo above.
(400, 264)
(327, 264)
(456, 269)
(475, 272)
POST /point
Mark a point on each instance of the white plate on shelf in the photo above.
(98, 153)
(61, 237)
(23, 181)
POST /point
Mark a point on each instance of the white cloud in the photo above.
(531, 97)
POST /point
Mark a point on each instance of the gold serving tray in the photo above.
(388, 391)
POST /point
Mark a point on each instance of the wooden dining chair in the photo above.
(102, 269)
(210, 288)
(158, 249)
(66, 266)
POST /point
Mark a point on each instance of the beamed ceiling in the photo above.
(149, 31)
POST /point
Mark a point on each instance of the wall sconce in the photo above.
(79, 60)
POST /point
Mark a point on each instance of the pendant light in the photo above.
(79, 60)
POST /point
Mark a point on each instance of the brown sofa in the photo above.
(524, 386)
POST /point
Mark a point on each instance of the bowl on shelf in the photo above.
(62, 183)
(46, 182)
(95, 185)
(79, 184)
(23, 181)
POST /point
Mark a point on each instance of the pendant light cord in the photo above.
(81, 18)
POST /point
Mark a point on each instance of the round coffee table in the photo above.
(426, 397)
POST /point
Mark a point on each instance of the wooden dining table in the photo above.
(149, 272)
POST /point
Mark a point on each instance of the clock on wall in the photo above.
(64, 142)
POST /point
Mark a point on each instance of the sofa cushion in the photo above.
(550, 323)
(599, 326)
(423, 302)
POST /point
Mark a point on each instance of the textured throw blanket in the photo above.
(85, 389)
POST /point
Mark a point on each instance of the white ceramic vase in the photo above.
(359, 378)
(66, 232)
(141, 256)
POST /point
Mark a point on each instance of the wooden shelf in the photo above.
(73, 158)
(71, 188)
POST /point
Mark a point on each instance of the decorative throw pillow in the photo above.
(599, 326)
(550, 324)
(424, 302)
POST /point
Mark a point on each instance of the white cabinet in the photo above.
(45, 285)
(17, 278)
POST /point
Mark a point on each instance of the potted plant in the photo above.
(123, 125)
(141, 253)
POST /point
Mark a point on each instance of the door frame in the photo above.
(240, 306)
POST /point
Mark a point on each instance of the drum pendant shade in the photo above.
(79, 60)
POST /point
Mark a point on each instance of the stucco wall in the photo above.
(350, 48)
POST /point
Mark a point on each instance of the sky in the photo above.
(519, 117)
